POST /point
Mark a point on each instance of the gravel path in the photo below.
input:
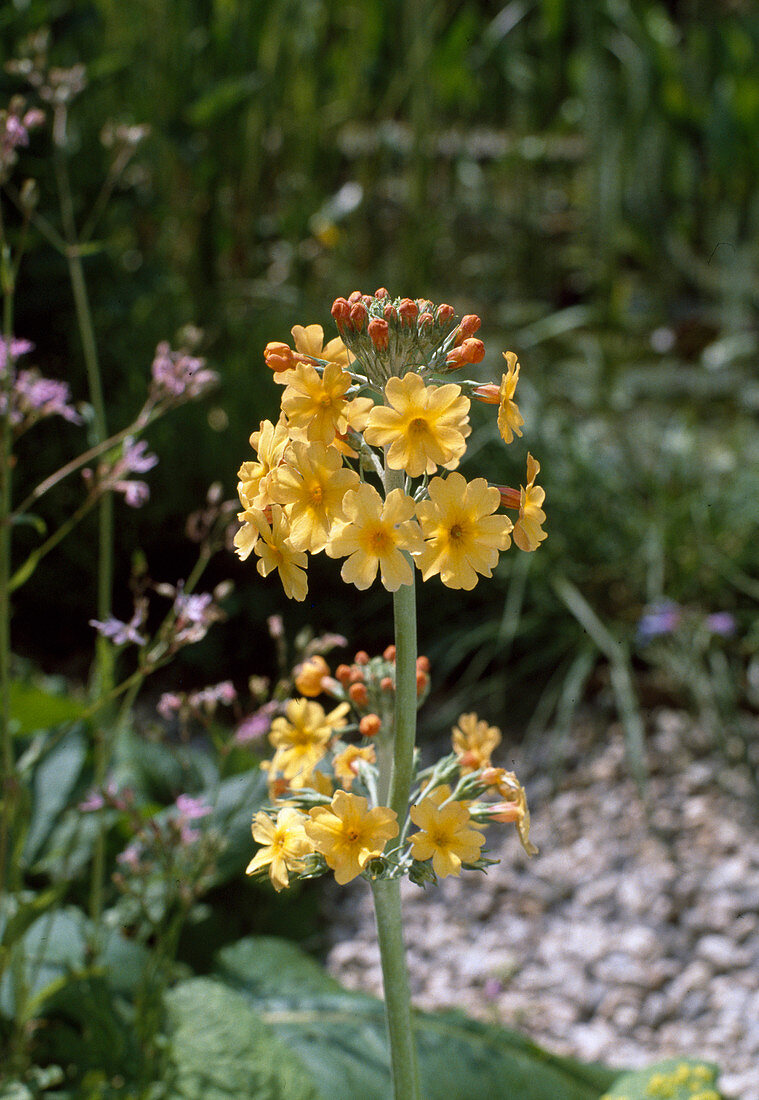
(624, 940)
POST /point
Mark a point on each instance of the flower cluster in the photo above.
(26, 396)
(327, 809)
(363, 461)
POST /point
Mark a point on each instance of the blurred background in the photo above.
(582, 175)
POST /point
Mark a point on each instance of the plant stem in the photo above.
(400, 1027)
(7, 756)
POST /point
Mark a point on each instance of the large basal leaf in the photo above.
(675, 1078)
(222, 1050)
(33, 708)
(54, 780)
(340, 1037)
(235, 804)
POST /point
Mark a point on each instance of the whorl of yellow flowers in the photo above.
(362, 461)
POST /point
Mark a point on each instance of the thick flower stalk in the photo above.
(362, 464)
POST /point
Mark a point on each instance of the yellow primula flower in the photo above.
(446, 834)
(248, 535)
(463, 537)
(348, 834)
(285, 844)
(345, 763)
(510, 420)
(514, 804)
(316, 406)
(311, 484)
(302, 734)
(309, 340)
(269, 442)
(474, 741)
(374, 535)
(276, 551)
(527, 530)
(423, 426)
(309, 675)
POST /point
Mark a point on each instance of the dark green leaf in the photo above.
(54, 780)
(33, 708)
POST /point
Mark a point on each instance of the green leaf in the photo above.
(33, 708)
(675, 1078)
(340, 1036)
(54, 780)
(235, 803)
(221, 1050)
(223, 97)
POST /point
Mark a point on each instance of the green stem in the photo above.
(404, 611)
(7, 756)
(387, 911)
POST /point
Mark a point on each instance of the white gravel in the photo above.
(632, 936)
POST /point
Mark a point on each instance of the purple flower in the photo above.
(256, 725)
(130, 857)
(135, 492)
(658, 619)
(178, 376)
(721, 622)
(93, 801)
(121, 633)
(17, 349)
(169, 704)
(192, 808)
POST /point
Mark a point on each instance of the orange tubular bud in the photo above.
(382, 292)
(505, 812)
(421, 681)
(408, 311)
(355, 296)
(278, 356)
(468, 326)
(390, 313)
(359, 694)
(387, 683)
(423, 663)
(362, 657)
(379, 333)
(389, 653)
(471, 351)
(341, 312)
(444, 314)
(425, 321)
(358, 316)
(370, 725)
(488, 394)
(343, 674)
(510, 498)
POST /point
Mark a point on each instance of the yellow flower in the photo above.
(445, 834)
(423, 426)
(302, 734)
(285, 843)
(514, 805)
(348, 834)
(374, 537)
(345, 763)
(510, 419)
(311, 484)
(276, 551)
(462, 535)
(474, 741)
(316, 406)
(269, 443)
(309, 340)
(309, 676)
(248, 535)
(527, 529)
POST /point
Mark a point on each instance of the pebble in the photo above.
(632, 937)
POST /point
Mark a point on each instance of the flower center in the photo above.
(417, 426)
(317, 494)
(456, 533)
(380, 541)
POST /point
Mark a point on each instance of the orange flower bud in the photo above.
(309, 676)
(343, 674)
(506, 812)
(362, 657)
(355, 296)
(423, 663)
(389, 653)
(390, 313)
(408, 311)
(470, 351)
(378, 332)
(488, 394)
(359, 694)
(510, 498)
(444, 314)
(468, 326)
(425, 321)
(387, 683)
(382, 292)
(356, 675)
(358, 316)
(421, 681)
(278, 356)
(341, 312)
(370, 725)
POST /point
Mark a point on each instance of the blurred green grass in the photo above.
(584, 176)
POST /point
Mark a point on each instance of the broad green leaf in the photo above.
(236, 801)
(675, 1078)
(19, 911)
(33, 708)
(54, 780)
(221, 1049)
(340, 1037)
(223, 97)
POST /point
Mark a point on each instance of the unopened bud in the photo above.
(510, 498)
(359, 694)
(355, 296)
(425, 321)
(278, 356)
(362, 657)
(382, 292)
(370, 725)
(488, 394)
(309, 676)
(421, 681)
(341, 312)
(467, 327)
(423, 663)
(379, 333)
(387, 683)
(408, 311)
(343, 674)
(470, 351)
(358, 316)
(390, 313)
(389, 653)
(444, 314)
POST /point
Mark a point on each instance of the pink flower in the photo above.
(178, 376)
